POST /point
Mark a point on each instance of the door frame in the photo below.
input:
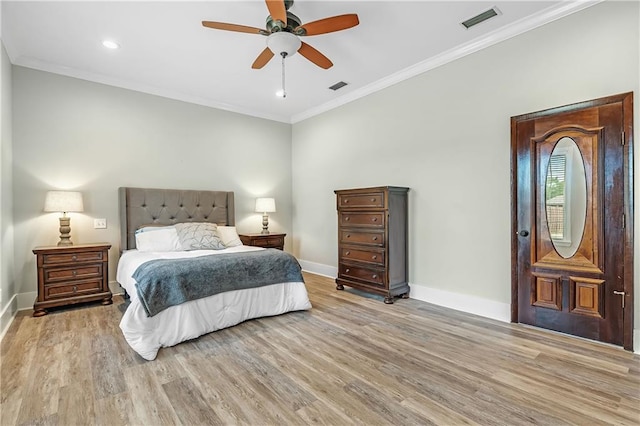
(627, 112)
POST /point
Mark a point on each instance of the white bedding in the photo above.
(146, 335)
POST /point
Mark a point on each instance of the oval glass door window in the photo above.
(566, 197)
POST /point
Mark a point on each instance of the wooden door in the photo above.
(572, 219)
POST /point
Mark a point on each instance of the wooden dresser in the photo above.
(263, 240)
(372, 240)
(72, 274)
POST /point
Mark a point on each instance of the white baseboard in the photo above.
(25, 300)
(8, 314)
(115, 288)
(636, 341)
(319, 268)
(462, 302)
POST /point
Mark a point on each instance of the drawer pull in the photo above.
(75, 288)
(373, 200)
(374, 276)
(375, 238)
(74, 258)
(346, 201)
(75, 273)
(374, 257)
(347, 218)
(347, 270)
(375, 219)
(348, 235)
(347, 253)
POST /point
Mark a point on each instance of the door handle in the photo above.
(620, 293)
(523, 233)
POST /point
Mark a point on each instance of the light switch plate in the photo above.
(99, 223)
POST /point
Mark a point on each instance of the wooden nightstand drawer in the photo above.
(269, 242)
(68, 274)
(72, 289)
(263, 240)
(55, 259)
(362, 200)
(365, 219)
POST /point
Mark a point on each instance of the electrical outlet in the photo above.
(99, 223)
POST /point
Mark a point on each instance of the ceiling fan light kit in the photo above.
(283, 42)
(283, 31)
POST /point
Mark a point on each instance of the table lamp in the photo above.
(64, 202)
(264, 206)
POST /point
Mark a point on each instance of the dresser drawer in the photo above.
(53, 275)
(66, 290)
(372, 238)
(371, 200)
(59, 258)
(373, 256)
(375, 219)
(371, 276)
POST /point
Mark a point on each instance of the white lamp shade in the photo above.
(63, 201)
(265, 205)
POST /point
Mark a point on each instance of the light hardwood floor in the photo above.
(350, 360)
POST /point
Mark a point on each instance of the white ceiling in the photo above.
(166, 51)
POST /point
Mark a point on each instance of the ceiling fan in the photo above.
(283, 32)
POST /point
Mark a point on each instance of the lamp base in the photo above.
(265, 224)
(65, 231)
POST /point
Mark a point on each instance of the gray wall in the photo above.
(77, 135)
(446, 134)
(8, 303)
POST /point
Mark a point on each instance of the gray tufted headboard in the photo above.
(150, 206)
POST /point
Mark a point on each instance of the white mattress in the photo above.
(146, 335)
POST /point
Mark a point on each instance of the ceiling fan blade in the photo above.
(262, 59)
(315, 56)
(329, 25)
(277, 10)
(234, 27)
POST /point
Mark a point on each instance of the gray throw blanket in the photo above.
(163, 283)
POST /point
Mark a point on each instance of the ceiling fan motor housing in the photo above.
(293, 22)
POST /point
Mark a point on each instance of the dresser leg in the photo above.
(39, 312)
(339, 287)
(388, 300)
(107, 301)
(405, 295)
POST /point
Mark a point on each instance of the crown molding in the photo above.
(526, 24)
(39, 65)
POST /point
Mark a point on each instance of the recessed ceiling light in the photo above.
(110, 44)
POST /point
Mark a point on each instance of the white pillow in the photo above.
(158, 239)
(229, 236)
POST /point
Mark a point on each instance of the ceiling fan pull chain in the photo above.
(284, 92)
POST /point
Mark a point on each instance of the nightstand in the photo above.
(72, 274)
(263, 240)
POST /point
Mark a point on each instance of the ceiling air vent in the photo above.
(480, 18)
(338, 85)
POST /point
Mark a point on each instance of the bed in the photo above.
(146, 327)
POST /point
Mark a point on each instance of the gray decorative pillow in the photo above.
(199, 236)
